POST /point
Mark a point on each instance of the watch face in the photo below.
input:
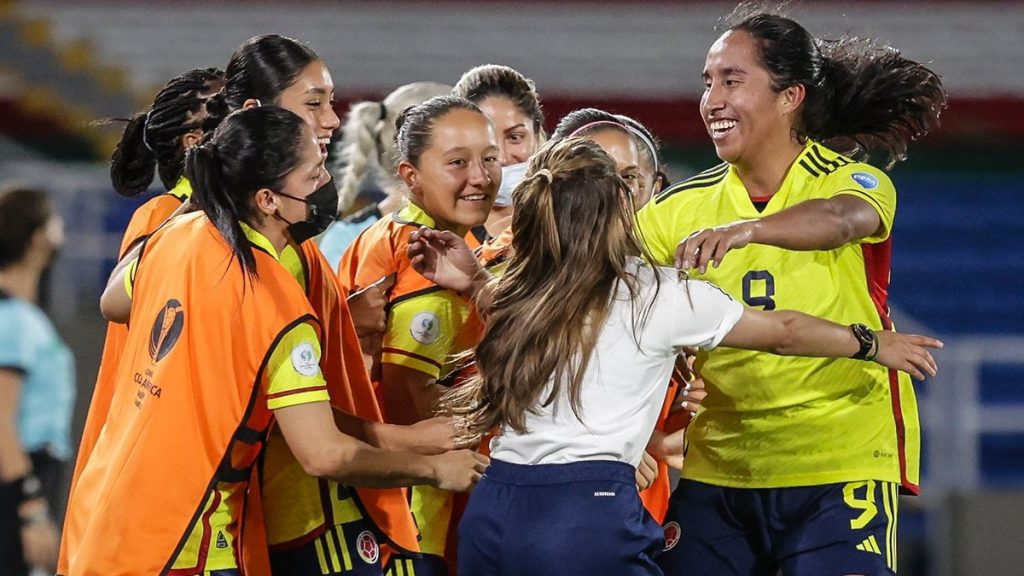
(865, 337)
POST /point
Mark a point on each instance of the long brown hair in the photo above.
(573, 245)
(863, 98)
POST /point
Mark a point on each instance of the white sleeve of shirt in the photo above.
(702, 313)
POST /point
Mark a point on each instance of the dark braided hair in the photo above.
(152, 139)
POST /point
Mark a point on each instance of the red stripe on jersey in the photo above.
(295, 391)
(420, 357)
(204, 545)
(876, 268)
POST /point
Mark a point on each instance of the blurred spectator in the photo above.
(367, 145)
(37, 389)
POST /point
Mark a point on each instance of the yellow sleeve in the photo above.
(423, 331)
(649, 222)
(129, 277)
(293, 372)
(871, 185)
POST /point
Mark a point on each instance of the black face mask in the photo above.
(323, 206)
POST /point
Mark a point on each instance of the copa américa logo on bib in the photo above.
(425, 328)
(304, 359)
(166, 329)
(867, 181)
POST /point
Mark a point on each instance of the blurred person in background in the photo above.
(37, 386)
(804, 476)
(367, 146)
(653, 178)
(449, 162)
(510, 100)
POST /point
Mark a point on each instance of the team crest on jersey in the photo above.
(304, 359)
(425, 328)
(672, 533)
(367, 547)
(868, 181)
(166, 330)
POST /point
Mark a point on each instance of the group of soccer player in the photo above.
(545, 321)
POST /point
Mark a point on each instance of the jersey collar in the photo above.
(745, 205)
(413, 214)
(259, 240)
(182, 190)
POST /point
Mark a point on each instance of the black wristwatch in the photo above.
(867, 339)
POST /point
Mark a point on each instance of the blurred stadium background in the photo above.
(958, 267)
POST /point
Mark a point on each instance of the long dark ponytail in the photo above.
(152, 139)
(250, 150)
(861, 97)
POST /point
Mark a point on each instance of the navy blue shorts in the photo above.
(583, 518)
(846, 528)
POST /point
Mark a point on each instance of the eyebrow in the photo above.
(516, 127)
(316, 90)
(729, 71)
(456, 149)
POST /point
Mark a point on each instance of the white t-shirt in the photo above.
(624, 386)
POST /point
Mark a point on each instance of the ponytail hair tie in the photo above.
(383, 112)
(545, 174)
(145, 141)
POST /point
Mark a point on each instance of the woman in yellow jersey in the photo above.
(218, 353)
(319, 527)
(510, 100)
(802, 476)
(367, 148)
(449, 160)
(153, 141)
(582, 334)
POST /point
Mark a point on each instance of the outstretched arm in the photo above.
(820, 224)
(790, 333)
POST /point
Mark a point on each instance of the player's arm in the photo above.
(790, 333)
(116, 300)
(431, 436)
(819, 224)
(19, 488)
(446, 260)
(323, 451)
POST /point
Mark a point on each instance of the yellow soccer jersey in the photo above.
(427, 326)
(772, 421)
